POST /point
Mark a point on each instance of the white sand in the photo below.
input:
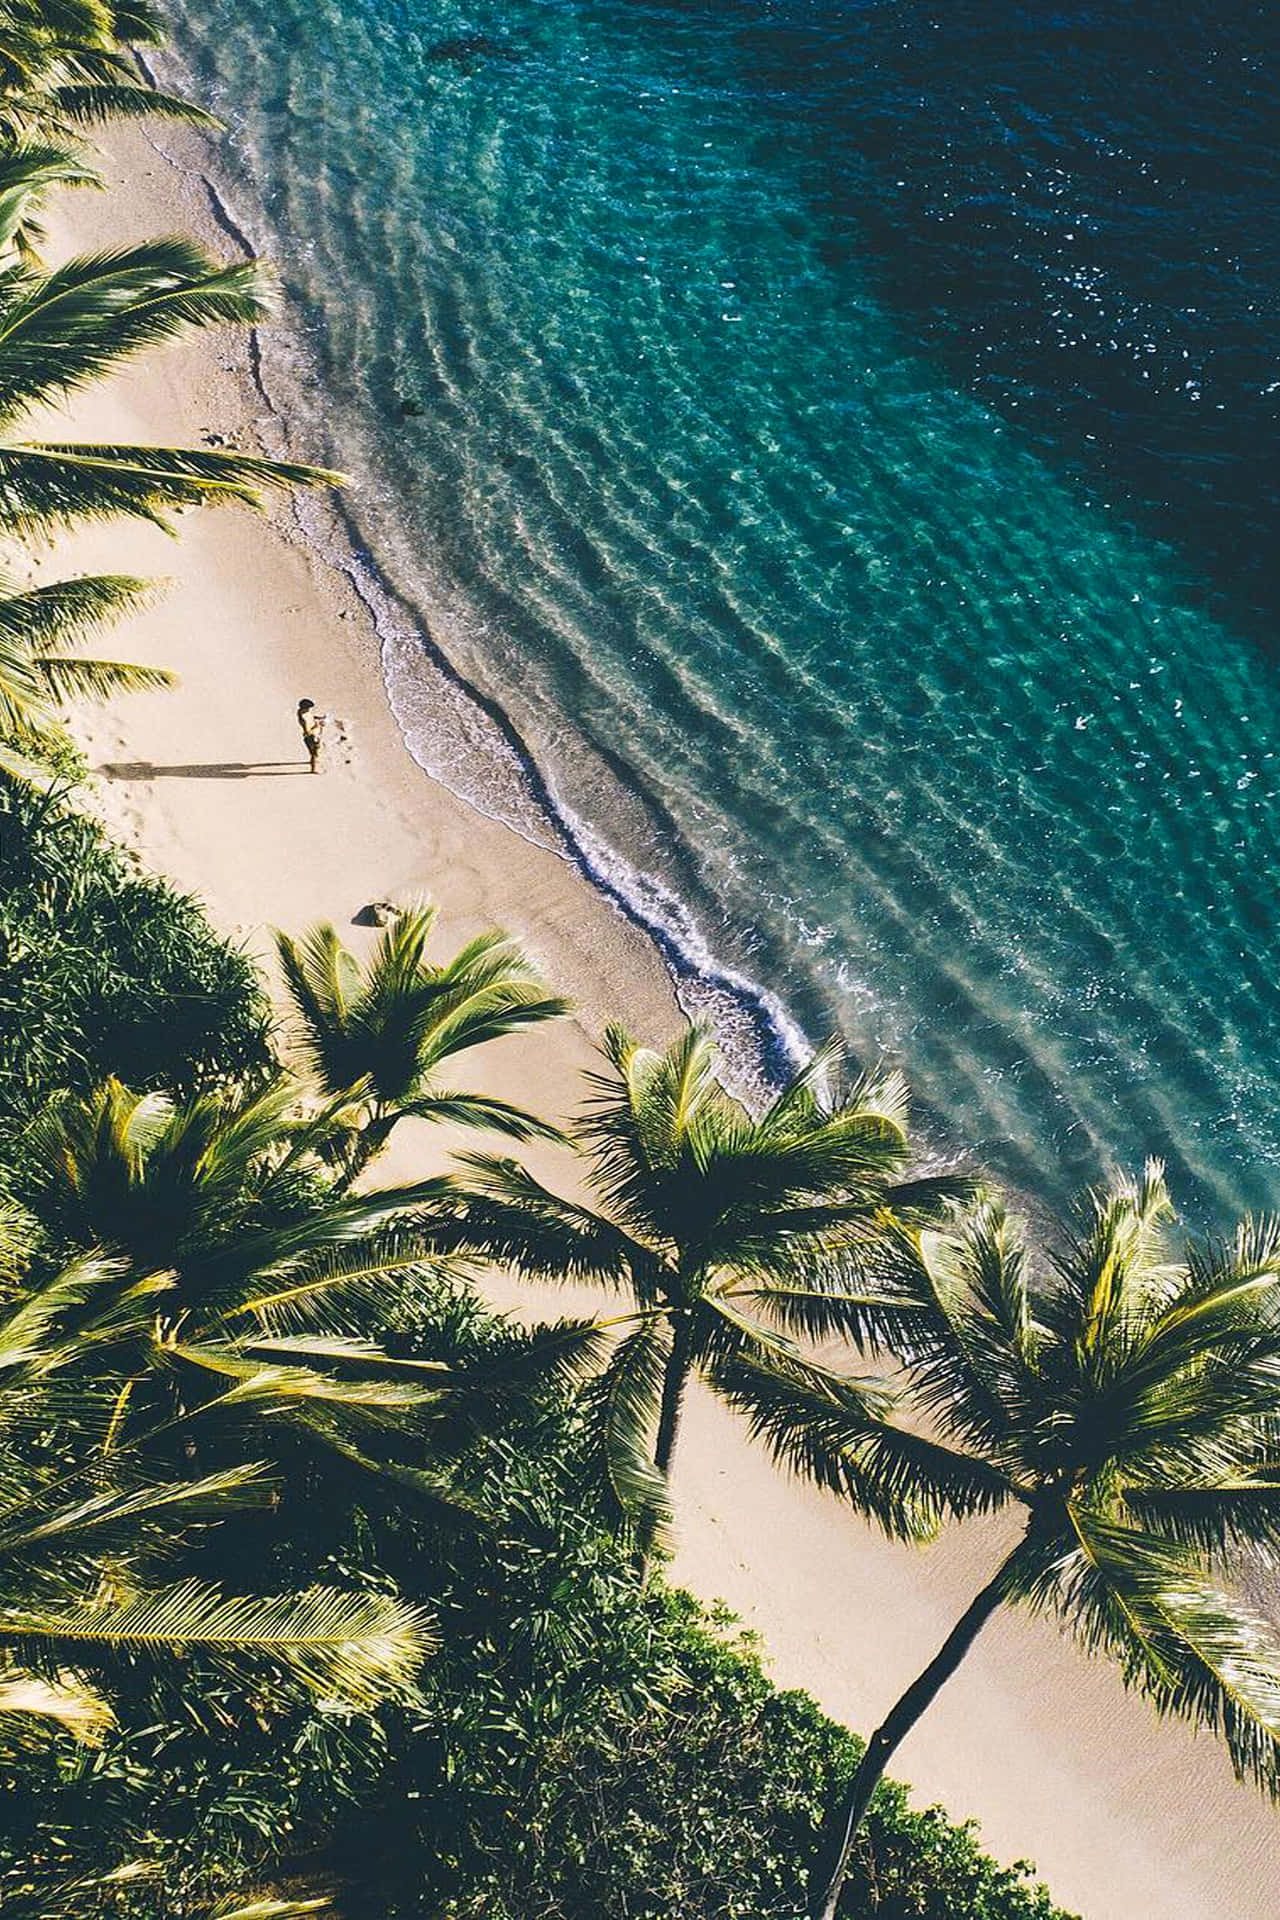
(1126, 1819)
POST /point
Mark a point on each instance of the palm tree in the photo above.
(730, 1235)
(64, 329)
(274, 1282)
(379, 1032)
(64, 65)
(1126, 1401)
(79, 1522)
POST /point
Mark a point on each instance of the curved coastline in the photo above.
(841, 692)
(759, 1037)
(1052, 1757)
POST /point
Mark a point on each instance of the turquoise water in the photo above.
(856, 680)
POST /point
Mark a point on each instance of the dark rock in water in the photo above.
(411, 409)
(378, 913)
(466, 48)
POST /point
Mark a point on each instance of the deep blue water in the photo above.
(841, 442)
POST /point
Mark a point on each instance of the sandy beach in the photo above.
(1126, 1819)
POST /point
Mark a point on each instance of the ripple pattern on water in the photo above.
(880, 705)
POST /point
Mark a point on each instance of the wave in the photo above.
(685, 561)
(436, 705)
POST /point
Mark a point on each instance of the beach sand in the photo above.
(1126, 1819)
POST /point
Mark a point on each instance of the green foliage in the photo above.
(104, 969)
(82, 1524)
(196, 1809)
(734, 1236)
(65, 65)
(591, 1746)
(1123, 1394)
(380, 1033)
(583, 1745)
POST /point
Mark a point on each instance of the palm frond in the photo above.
(92, 106)
(44, 1526)
(28, 172)
(337, 1265)
(499, 1211)
(66, 1701)
(69, 611)
(271, 1907)
(835, 1432)
(274, 1376)
(63, 328)
(1117, 1271)
(29, 1319)
(356, 1648)
(620, 1414)
(874, 1321)
(1216, 1518)
(1194, 1651)
(70, 679)
(61, 484)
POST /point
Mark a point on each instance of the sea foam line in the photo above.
(761, 1042)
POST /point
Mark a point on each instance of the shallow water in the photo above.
(836, 437)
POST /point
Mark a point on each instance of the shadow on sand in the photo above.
(215, 770)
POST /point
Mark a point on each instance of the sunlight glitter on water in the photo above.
(822, 657)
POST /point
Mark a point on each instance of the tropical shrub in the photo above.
(592, 1746)
(104, 969)
(583, 1745)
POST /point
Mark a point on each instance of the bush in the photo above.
(597, 1750)
(584, 1747)
(104, 970)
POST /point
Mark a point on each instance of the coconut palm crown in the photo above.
(730, 1234)
(81, 1529)
(1125, 1400)
(381, 1031)
(265, 1289)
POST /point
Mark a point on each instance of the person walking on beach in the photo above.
(312, 725)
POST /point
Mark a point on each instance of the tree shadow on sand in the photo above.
(213, 770)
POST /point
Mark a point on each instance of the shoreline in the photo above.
(1119, 1814)
(760, 1040)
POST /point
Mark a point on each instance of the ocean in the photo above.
(820, 464)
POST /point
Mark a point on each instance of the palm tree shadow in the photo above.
(213, 770)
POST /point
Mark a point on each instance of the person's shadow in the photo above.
(214, 770)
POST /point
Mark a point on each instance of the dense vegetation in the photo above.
(321, 1586)
(105, 970)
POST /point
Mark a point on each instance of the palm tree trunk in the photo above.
(837, 1841)
(673, 1384)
